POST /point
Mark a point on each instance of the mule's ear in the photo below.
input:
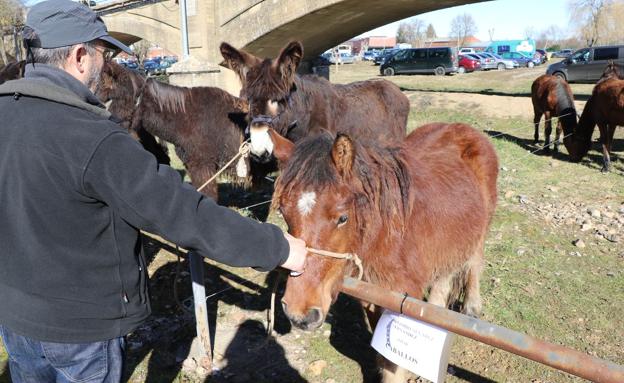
(238, 60)
(343, 153)
(289, 59)
(282, 147)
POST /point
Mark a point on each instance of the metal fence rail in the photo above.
(559, 357)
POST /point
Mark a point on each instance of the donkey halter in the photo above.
(347, 256)
(266, 119)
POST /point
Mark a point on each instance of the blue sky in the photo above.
(508, 18)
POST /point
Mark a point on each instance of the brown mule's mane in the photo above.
(382, 172)
(169, 98)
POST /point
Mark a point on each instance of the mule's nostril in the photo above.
(314, 316)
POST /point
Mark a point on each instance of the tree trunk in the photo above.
(3, 51)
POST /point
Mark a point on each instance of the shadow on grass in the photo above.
(469, 376)
(5, 376)
(166, 337)
(486, 92)
(592, 160)
(252, 358)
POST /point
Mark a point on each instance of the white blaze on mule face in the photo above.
(272, 107)
(260, 140)
(306, 203)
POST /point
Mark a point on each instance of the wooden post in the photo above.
(204, 359)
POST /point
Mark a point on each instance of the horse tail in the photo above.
(565, 106)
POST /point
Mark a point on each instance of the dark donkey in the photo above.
(298, 106)
(552, 97)
(605, 107)
(12, 71)
(205, 124)
(416, 213)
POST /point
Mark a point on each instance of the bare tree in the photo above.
(411, 32)
(463, 26)
(530, 32)
(11, 17)
(588, 15)
(549, 36)
(491, 33)
(431, 33)
(140, 49)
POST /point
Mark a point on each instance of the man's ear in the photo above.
(282, 147)
(238, 60)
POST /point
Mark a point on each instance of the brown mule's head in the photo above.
(267, 86)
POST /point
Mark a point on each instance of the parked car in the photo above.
(369, 56)
(463, 51)
(150, 66)
(468, 64)
(477, 57)
(343, 58)
(564, 53)
(385, 54)
(587, 64)
(502, 63)
(488, 62)
(520, 58)
(545, 55)
(439, 61)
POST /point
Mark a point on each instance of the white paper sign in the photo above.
(417, 346)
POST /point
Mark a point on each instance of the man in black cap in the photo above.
(75, 189)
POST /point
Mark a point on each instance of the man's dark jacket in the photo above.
(75, 189)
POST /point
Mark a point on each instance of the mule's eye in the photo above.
(342, 219)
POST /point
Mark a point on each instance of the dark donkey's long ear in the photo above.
(289, 59)
(282, 147)
(343, 153)
(238, 60)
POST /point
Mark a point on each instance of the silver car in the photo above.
(502, 63)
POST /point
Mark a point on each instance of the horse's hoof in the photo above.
(605, 169)
(472, 310)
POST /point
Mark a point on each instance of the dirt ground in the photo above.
(487, 105)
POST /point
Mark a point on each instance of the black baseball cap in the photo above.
(61, 23)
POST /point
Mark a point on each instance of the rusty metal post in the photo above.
(559, 357)
(196, 263)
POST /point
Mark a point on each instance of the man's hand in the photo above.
(297, 256)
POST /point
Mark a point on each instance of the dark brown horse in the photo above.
(416, 213)
(205, 124)
(298, 106)
(552, 97)
(12, 71)
(604, 108)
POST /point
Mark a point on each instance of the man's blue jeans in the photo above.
(32, 361)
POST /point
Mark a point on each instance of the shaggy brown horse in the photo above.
(299, 106)
(205, 124)
(12, 71)
(416, 213)
(552, 97)
(605, 108)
